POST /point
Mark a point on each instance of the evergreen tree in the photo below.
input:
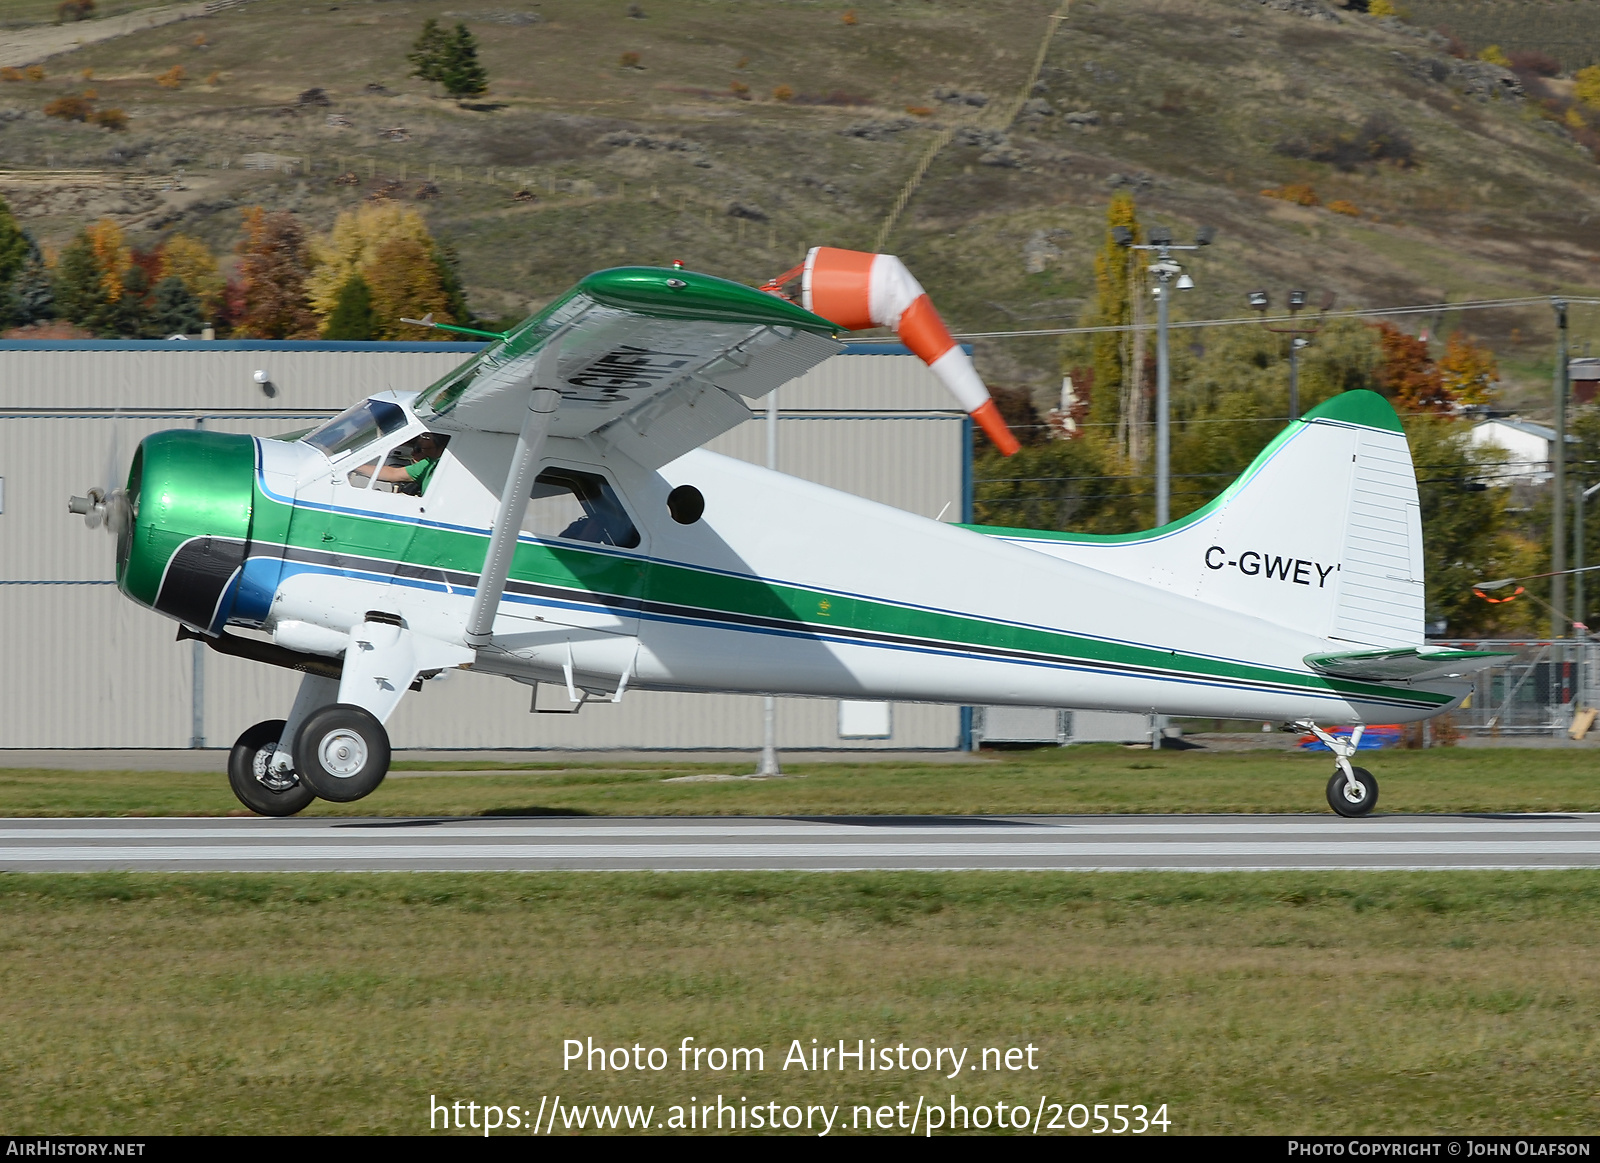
(79, 288)
(444, 261)
(427, 55)
(14, 247)
(175, 311)
(459, 70)
(128, 315)
(29, 297)
(352, 316)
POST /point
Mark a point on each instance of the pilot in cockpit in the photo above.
(410, 478)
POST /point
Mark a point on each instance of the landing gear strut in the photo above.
(1352, 791)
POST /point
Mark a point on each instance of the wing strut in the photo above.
(542, 403)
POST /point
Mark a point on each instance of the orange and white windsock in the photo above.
(857, 290)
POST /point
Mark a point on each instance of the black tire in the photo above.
(342, 751)
(249, 779)
(1340, 802)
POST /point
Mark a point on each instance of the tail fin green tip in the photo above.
(1358, 407)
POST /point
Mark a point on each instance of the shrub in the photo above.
(919, 110)
(628, 60)
(849, 17)
(113, 119)
(1341, 206)
(69, 11)
(87, 74)
(10, 74)
(199, 40)
(740, 90)
(1377, 140)
(1540, 64)
(1382, 8)
(1300, 193)
(744, 62)
(214, 79)
(69, 109)
(172, 78)
(34, 72)
(783, 93)
(1586, 86)
(1494, 56)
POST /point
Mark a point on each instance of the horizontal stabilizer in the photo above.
(1408, 664)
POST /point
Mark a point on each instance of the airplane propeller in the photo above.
(107, 506)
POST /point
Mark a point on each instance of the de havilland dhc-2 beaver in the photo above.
(546, 513)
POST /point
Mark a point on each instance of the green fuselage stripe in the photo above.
(616, 580)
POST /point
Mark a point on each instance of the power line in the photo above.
(1352, 313)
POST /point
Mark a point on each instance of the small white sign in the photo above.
(863, 720)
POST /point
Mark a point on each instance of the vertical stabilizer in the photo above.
(1323, 532)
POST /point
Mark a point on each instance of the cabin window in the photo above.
(578, 506)
(357, 427)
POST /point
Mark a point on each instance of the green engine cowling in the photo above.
(190, 495)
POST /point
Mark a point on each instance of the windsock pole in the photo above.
(857, 290)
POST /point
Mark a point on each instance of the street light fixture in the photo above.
(1259, 301)
(1169, 276)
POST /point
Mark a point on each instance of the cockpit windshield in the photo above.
(358, 426)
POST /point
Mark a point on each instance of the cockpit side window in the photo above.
(357, 427)
(578, 506)
(406, 469)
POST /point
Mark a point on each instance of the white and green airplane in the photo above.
(564, 526)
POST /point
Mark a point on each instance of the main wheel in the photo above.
(342, 751)
(254, 782)
(1341, 799)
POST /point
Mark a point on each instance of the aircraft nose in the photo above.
(190, 501)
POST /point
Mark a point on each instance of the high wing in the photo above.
(1407, 664)
(651, 362)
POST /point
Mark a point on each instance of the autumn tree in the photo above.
(407, 273)
(1468, 371)
(272, 273)
(191, 262)
(1407, 373)
(90, 278)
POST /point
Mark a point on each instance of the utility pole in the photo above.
(1558, 482)
(1169, 277)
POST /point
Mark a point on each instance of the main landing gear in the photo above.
(341, 753)
(1352, 791)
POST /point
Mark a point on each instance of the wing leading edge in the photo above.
(648, 361)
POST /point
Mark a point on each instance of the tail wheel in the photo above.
(252, 779)
(1356, 801)
(342, 751)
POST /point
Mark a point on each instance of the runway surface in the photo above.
(1064, 843)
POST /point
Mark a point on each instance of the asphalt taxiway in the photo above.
(838, 843)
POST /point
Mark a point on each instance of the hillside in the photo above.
(580, 157)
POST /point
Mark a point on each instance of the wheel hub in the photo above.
(274, 781)
(1355, 792)
(343, 753)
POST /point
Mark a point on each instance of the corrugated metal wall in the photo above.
(80, 666)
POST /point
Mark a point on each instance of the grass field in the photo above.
(1330, 1002)
(1089, 779)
